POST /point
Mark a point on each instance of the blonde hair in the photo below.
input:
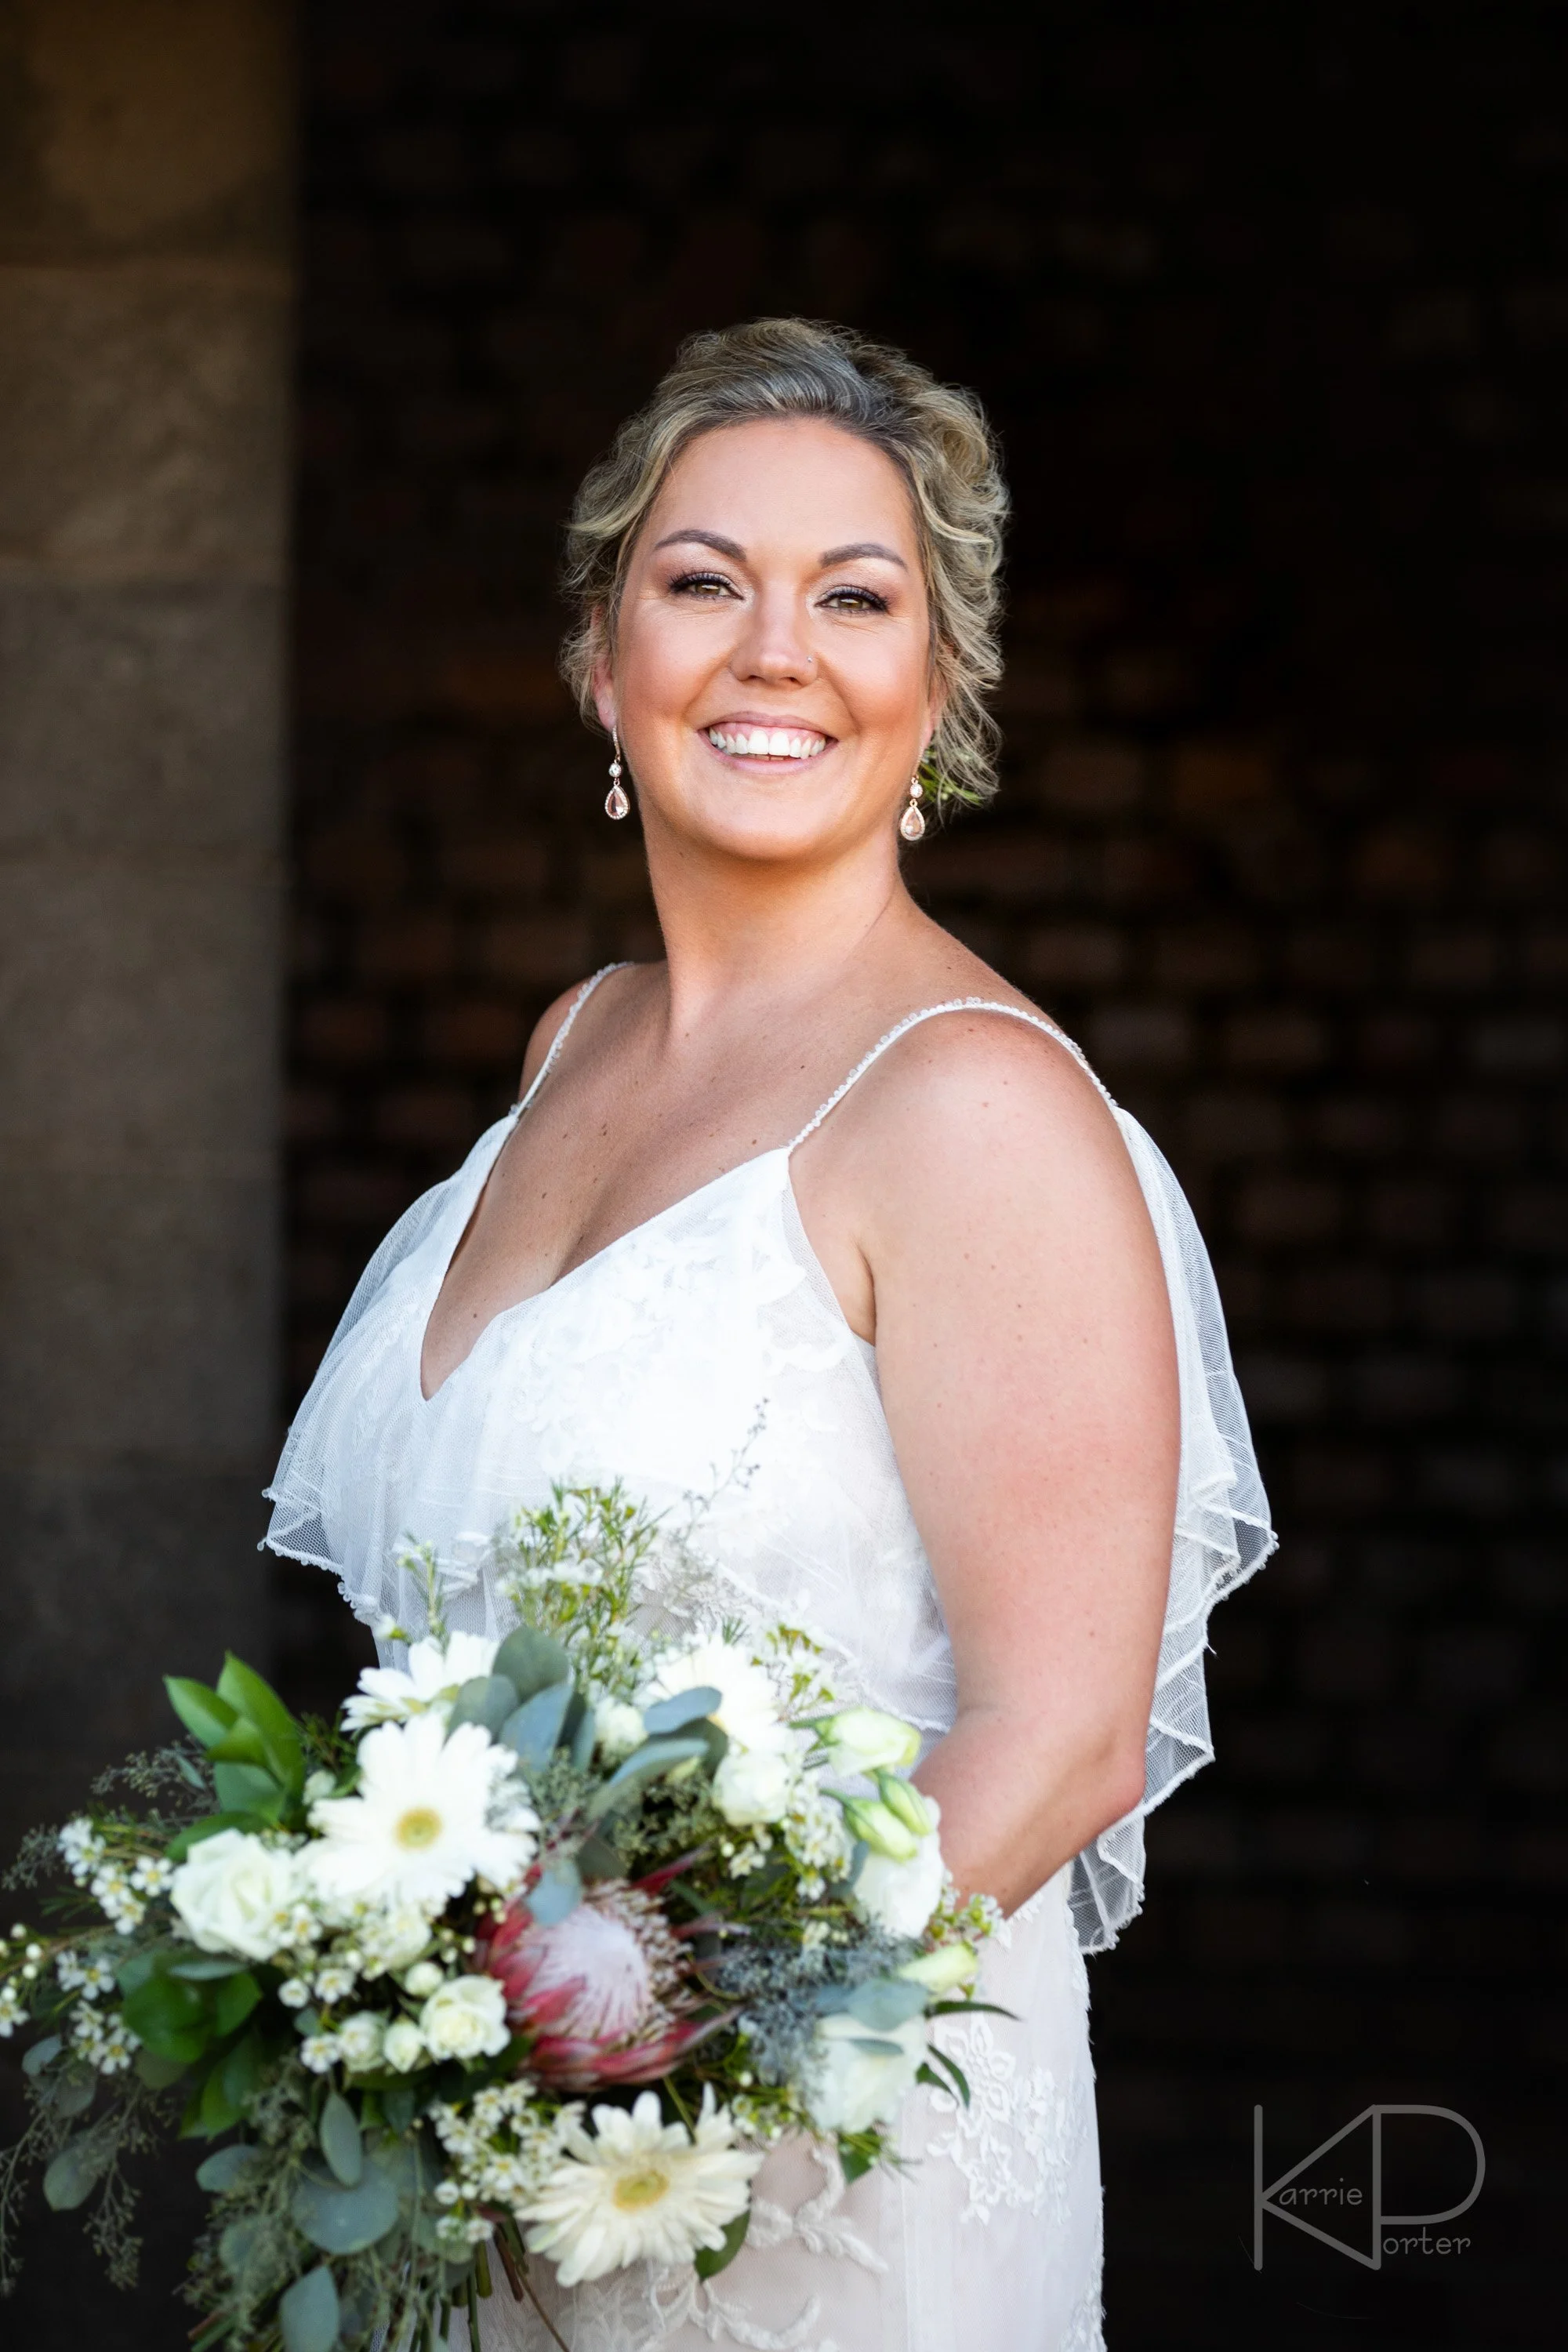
(936, 435)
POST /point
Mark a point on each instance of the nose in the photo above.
(773, 648)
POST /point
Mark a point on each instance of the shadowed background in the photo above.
(1272, 315)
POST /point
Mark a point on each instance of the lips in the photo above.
(743, 741)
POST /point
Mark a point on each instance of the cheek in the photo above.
(662, 660)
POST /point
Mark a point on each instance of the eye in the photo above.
(701, 585)
(854, 600)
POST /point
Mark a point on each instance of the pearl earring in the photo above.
(912, 825)
(616, 802)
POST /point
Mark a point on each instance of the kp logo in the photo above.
(1291, 2199)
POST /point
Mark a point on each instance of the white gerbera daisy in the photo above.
(748, 1706)
(436, 1672)
(431, 1813)
(639, 2190)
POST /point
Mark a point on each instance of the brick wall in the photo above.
(1272, 310)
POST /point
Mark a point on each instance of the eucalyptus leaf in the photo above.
(340, 2144)
(531, 1661)
(686, 1706)
(344, 2221)
(874, 2048)
(557, 1894)
(222, 2169)
(309, 2314)
(205, 1967)
(533, 1729)
(40, 2054)
(645, 1763)
(597, 1858)
(580, 1731)
(487, 1699)
(76, 2171)
(884, 2004)
(398, 2106)
(73, 2091)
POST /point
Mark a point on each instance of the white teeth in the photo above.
(766, 742)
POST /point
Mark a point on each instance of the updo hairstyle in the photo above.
(936, 435)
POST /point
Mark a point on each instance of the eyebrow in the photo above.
(737, 554)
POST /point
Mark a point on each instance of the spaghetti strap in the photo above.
(930, 1012)
(578, 1001)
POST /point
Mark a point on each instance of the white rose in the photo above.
(404, 2046)
(422, 1978)
(848, 2086)
(901, 1896)
(360, 2038)
(618, 1728)
(863, 1739)
(466, 2019)
(235, 1894)
(753, 1784)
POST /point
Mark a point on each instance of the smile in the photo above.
(742, 742)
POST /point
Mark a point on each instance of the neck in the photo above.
(742, 935)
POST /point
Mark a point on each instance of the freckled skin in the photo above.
(971, 1201)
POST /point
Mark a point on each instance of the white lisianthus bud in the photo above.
(466, 2019)
(404, 2048)
(360, 2038)
(294, 1993)
(422, 1978)
(235, 1894)
(753, 1785)
(863, 1739)
(319, 1784)
(618, 1728)
(902, 1798)
(941, 1971)
(901, 1896)
(854, 2078)
(869, 1819)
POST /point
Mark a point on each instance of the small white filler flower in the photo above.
(425, 1820)
(637, 2188)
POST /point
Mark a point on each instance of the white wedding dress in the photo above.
(704, 1354)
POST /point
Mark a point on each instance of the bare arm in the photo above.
(1029, 1371)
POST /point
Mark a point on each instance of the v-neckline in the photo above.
(584, 1266)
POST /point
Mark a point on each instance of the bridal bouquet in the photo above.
(528, 1957)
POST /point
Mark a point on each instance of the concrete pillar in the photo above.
(144, 345)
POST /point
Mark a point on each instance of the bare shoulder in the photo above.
(548, 1027)
(973, 1083)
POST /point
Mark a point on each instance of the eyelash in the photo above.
(852, 599)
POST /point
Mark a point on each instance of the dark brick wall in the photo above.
(1272, 310)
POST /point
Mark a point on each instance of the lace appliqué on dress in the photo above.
(818, 2225)
(1018, 2140)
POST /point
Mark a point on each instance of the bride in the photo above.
(823, 1197)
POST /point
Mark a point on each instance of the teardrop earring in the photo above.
(912, 824)
(616, 802)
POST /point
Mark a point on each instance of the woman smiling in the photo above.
(821, 1194)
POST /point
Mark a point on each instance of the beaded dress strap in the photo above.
(578, 1001)
(930, 1012)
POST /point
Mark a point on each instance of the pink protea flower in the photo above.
(606, 1993)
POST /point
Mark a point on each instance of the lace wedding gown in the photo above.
(709, 1336)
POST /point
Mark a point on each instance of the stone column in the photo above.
(144, 350)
